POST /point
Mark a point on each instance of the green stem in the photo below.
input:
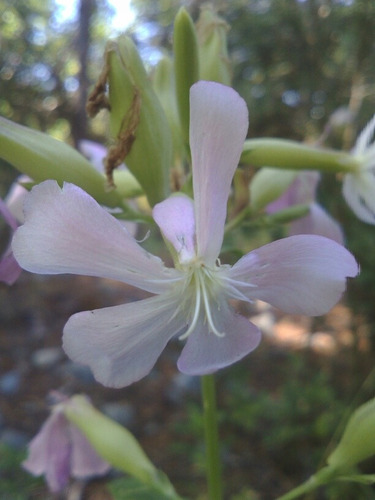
(211, 438)
(321, 477)
(281, 153)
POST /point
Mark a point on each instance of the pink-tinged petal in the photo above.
(218, 128)
(9, 268)
(358, 191)
(206, 352)
(318, 222)
(16, 196)
(121, 344)
(7, 215)
(301, 274)
(94, 152)
(67, 231)
(85, 461)
(175, 217)
(301, 191)
(49, 453)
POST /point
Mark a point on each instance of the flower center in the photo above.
(202, 288)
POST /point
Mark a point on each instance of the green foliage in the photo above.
(131, 489)
(15, 483)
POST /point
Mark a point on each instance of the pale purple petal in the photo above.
(9, 268)
(85, 461)
(218, 128)
(121, 344)
(318, 222)
(49, 452)
(94, 152)
(67, 231)
(206, 352)
(358, 191)
(16, 196)
(175, 217)
(301, 191)
(301, 274)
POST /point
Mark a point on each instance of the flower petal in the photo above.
(49, 452)
(121, 344)
(9, 268)
(358, 191)
(85, 461)
(175, 217)
(301, 274)
(218, 128)
(318, 222)
(67, 231)
(364, 139)
(206, 352)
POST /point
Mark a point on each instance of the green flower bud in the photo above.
(186, 65)
(268, 184)
(292, 155)
(138, 124)
(358, 440)
(213, 52)
(164, 85)
(42, 157)
(114, 443)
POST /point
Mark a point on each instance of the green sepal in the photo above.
(138, 125)
(186, 66)
(43, 157)
(213, 52)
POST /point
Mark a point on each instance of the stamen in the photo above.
(196, 312)
(207, 307)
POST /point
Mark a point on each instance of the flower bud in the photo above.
(42, 157)
(268, 184)
(213, 52)
(137, 121)
(358, 440)
(186, 65)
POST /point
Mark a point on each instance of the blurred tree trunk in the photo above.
(79, 122)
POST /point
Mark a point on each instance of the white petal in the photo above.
(67, 231)
(206, 352)
(121, 344)
(218, 128)
(175, 217)
(359, 193)
(364, 138)
(301, 274)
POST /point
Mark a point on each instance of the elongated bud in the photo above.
(116, 445)
(163, 80)
(268, 184)
(214, 61)
(358, 440)
(285, 154)
(42, 157)
(186, 65)
(137, 121)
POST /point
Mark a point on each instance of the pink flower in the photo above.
(60, 451)
(66, 231)
(303, 191)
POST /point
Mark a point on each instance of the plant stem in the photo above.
(211, 438)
